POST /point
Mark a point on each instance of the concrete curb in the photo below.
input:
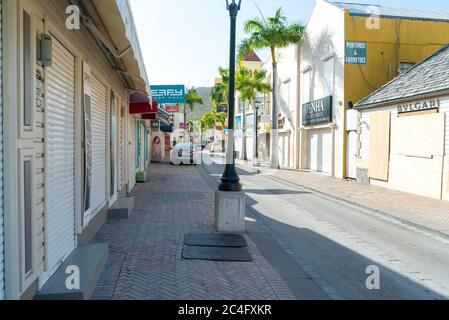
(367, 209)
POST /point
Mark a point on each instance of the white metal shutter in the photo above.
(99, 113)
(116, 144)
(2, 233)
(320, 151)
(121, 149)
(60, 79)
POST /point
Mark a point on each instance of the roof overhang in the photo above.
(118, 22)
(381, 104)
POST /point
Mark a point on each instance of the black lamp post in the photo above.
(230, 181)
(256, 142)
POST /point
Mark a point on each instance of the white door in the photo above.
(351, 161)
(60, 160)
(320, 151)
(2, 264)
(99, 114)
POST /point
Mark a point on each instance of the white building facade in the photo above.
(321, 105)
(67, 132)
(404, 133)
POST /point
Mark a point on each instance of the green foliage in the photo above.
(271, 33)
(250, 84)
(193, 98)
(208, 120)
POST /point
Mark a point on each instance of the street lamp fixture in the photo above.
(230, 181)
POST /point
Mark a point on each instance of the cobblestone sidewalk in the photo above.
(145, 250)
(418, 211)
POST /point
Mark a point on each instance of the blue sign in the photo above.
(169, 94)
(355, 52)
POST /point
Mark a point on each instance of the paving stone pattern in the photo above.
(145, 250)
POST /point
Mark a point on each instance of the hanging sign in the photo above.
(168, 94)
(355, 52)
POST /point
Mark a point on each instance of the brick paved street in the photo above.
(419, 211)
(145, 250)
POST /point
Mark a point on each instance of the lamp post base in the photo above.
(230, 211)
(230, 181)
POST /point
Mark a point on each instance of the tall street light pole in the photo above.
(230, 181)
(255, 139)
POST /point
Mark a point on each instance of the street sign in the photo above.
(169, 93)
(355, 52)
(182, 126)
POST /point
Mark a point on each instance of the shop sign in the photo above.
(317, 112)
(281, 123)
(169, 94)
(355, 52)
(419, 106)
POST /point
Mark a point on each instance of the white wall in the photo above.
(288, 72)
(325, 36)
(365, 143)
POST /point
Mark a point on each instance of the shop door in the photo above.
(320, 151)
(351, 154)
(60, 160)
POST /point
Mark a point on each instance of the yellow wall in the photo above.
(418, 40)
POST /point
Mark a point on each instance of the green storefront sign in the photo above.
(168, 94)
(355, 52)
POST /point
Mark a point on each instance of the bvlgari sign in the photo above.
(317, 112)
(419, 106)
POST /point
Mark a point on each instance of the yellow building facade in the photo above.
(332, 76)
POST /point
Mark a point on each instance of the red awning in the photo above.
(149, 116)
(140, 104)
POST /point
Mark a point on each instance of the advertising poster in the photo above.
(156, 147)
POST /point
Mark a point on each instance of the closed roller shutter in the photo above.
(2, 233)
(122, 149)
(320, 151)
(99, 113)
(61, 158)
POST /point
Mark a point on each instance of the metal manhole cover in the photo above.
(216, 253)
(215, 240)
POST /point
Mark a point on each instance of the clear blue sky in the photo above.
(184, 41)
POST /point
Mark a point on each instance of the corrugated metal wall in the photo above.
(2, 264)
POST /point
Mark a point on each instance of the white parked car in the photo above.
(185, 153)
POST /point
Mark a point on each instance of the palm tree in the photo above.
(272, 33)
(249, 85)
(192, 99)
(219, 93)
